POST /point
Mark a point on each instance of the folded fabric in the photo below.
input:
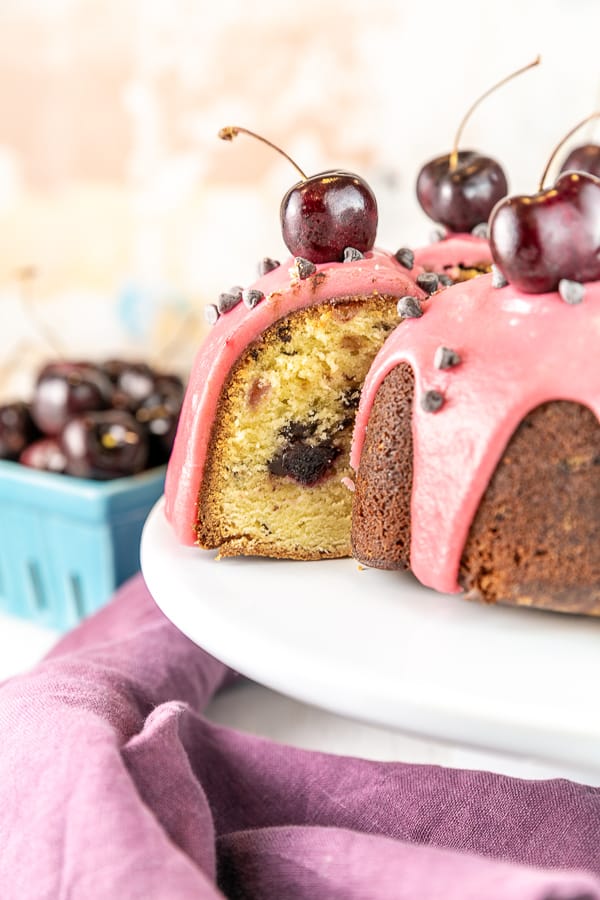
(114, 785)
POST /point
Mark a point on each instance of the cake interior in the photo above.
(280, 448)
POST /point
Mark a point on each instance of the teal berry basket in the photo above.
(66, 543)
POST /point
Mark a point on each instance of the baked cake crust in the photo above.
(489, 364)
(381, 510)
(535, 539)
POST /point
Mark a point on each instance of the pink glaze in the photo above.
(464, 249)
(518, 351)
(232, 334)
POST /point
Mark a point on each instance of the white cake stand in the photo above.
(378, 647)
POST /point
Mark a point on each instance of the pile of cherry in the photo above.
(98, 421)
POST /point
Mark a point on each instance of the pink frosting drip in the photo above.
(517, 351)
(465, 249)
(231, 335)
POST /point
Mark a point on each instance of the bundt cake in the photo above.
(455, 257)
(262, 448)
(476, 448)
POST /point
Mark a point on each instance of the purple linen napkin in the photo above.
(113, 785)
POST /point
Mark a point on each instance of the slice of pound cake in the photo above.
(261, 458)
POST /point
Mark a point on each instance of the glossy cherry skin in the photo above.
(66, 389)
(583, 159)
(159, 414)
(136, 381)
(328, 212)
(102, 445)
(465, 197)
(16, 429)
(45, 455)
(538, 240)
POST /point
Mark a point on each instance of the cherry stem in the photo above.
(26, 276)
(230, 131)
(177, 340)
(594, 115)
(473, 107)
(7, 369)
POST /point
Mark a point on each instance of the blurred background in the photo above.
(121, 213)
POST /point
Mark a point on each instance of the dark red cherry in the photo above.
(463, 197)
(102, 445)
(323, 214)
(540, 239)
(134, 383)
(326, 213)
(583, 159)
(170, 380)
(159, 414)
(113, 367)
(460, 188)
(65, 389)
(46, 455)
(16, 429)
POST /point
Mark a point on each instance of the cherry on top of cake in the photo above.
(551, 239)
(585, 158)
(458, 190)
(323, 215)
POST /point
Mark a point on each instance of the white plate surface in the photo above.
(379, 647)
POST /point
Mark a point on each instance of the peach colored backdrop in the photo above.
(120, 211)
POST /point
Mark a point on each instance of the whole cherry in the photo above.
(159, 414)
(65, 389)
(585, 158)
(16, 429)
(103, 445)
(460, 188)
(538, 240)
(323, 214)
(45, 455)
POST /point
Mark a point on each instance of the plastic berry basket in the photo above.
(66, 543)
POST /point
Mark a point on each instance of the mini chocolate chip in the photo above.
(445, 280)
(284, 333)
(445, 358)
(211, 313)
(405, 257)
(350, 398)
(228, 300)
(267, 265)
(438, 234)
(572, 292)
(481, 230)
(498, 279)
(428, 281)
(251, 297)
(432, 401)
(409, 307)
(304, 267)
(351, 254)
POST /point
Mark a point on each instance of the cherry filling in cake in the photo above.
(279, 452)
